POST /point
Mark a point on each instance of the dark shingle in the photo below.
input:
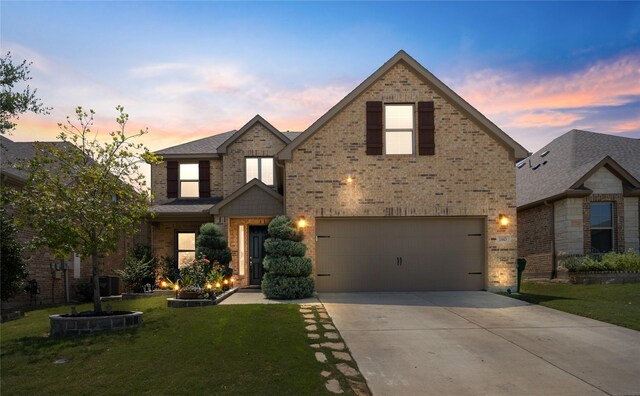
(208, 145)
(570, 157)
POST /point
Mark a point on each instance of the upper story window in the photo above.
(259, 168)
(189, 181)
(601, 227)
(398, 129)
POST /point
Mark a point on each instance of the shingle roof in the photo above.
(186, 206)
(208, 145)
(13, 152)
(570, 157)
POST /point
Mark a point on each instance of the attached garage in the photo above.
(400, 254)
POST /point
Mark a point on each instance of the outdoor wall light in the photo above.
(503, 220)
(349, 179)
(301, 222)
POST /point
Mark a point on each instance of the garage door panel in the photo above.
(400, 254)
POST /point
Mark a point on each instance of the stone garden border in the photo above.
(67, 326)
(604, 277)
(199, 302)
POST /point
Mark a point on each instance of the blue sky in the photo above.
(191, 69)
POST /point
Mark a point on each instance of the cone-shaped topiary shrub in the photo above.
(212, 244)
(288, 271)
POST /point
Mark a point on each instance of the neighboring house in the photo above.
(50, 279)
(578, 195)
(401, 186)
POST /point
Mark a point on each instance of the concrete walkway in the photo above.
(472, 343)
(255, 296)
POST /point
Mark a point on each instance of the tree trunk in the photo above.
(97, 308)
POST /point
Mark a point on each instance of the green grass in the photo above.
(221, 350)
(616, 304)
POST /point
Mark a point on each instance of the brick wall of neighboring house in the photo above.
(568, 226)
(256, 142)
(618, 219)
(52, 284)
(535, 240)
(159, 179)
(234, 245)
(471, 174)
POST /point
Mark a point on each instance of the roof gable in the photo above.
(222, 149)
(447, 93)
(253, 199)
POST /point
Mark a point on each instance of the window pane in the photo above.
(241, 250)
(266, 165)
(186, 241)
(189, 190)
(398, 117)
(601, 214)
(189, 172)
(601, 241)
(399, 143)
(185, 257)
(252, 169)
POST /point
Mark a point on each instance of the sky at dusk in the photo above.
(187, 70)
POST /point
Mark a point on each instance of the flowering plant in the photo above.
(196, 269)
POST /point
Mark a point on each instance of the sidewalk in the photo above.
(255, 296)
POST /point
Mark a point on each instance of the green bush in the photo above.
(168, 268)
(281, 287)
(629, 261)
(288, 270)
(283, 248)
(212, 244)
(139, 269)
(13, 269)
(282, 227)
(291, 266)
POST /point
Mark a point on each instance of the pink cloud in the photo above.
(546, 118)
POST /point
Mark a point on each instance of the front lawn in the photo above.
(616, 304)
(222, 350)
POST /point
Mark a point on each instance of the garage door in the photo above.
(400, 254)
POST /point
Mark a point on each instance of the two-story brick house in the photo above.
(402, 185)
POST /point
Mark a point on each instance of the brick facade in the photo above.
(535, 240)
(159, 179)
(256, 142)
(471, 174)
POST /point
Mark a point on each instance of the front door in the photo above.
(257, 235)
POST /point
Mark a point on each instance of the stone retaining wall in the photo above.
(66, 326)
(604, 277)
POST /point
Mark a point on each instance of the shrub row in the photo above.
(607, 262)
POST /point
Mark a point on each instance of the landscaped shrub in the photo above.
(168, 268)
(212, 244)
(13, 270)
(139, 269)
(288, 271)
(629, 261)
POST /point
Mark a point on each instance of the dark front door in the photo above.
(257, 235)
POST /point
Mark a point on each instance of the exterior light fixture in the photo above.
(226, 281)
(163, 284)
(349, 179)
(217, 285)
(302, 222)
(176, 288)
(208, 286)
(503, 220)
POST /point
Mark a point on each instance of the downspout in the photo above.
(554, 261)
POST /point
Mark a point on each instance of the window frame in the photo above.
(177, 239)
(273, 170)
(611, 227)
(386, 130)
(180, 180)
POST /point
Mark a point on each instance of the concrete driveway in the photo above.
(479, 343)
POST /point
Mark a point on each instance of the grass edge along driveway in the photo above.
(618, 304)
(225, 349)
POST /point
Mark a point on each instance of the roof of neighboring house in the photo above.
(569, 159)
(518, 151)
(13, 152)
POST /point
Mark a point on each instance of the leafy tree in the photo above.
(82, 195)
(288, 270)
(212, 244)
(13, 103)
(13, 270)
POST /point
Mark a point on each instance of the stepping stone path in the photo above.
(330, 350)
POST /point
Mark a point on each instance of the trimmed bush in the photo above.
(13, 269)
(212, 244)
(290, 266)
(282, 287)
(288, 269)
